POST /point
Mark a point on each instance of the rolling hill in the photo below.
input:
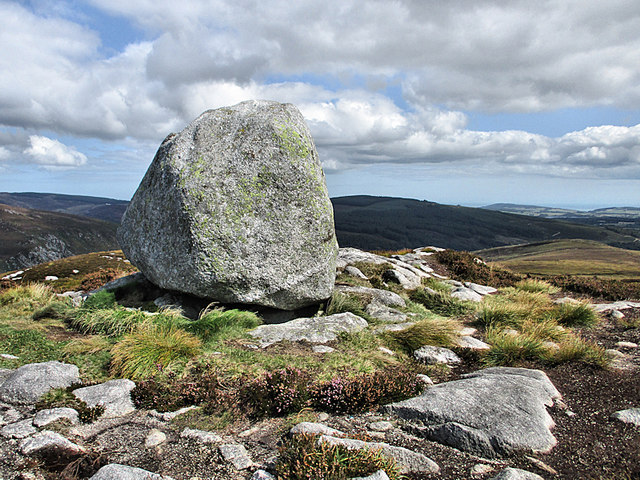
(29, 237)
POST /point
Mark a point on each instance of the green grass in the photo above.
(344, 302)
(572, 315)
(442, 303)
(436, 331)
(507, 349)
(534, 285)
(112, 322)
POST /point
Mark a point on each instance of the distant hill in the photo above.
(567, 257)
(107, 209)
(390, 223)
(29, 237)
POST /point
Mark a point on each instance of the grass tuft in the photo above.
(512, 350)
(534, 285)
(442, 303)
(437, 331)
(579, 314)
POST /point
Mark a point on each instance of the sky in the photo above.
(463, 102)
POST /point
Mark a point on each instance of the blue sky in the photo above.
(457, 102)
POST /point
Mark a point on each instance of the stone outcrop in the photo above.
(29, 382)
(234, 208)
(491, 412)
(114, 396)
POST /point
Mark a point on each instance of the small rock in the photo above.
(385, 313)
(615, 354)
(323, 417)
(424, 379)
(262, 475)
(50, 278)
(310, 428)
(516, 474)
(379, 475)
(50, 444)
(433, 355)
(386, 351)
(468, 331)
(466, 294)
(155, 438)
(29, 382)
(8, 356)
(480, 289)
(626, 345)
(480, 469)
(168, 416)
(201, 435)
(381, 426)
(20, 429)
(541, 465)
(322, 349)
(354, 272)
(631, 415)
(236, 454)
(472, 343)
(11, 415)
(115, 471)
(616, 314)
(50, 415)
(114, 396)
(384, 297)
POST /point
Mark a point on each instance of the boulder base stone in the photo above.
(235, 208)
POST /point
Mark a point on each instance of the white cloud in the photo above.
(51, 153)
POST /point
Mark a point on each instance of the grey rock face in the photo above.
(50, 444)
(235, 208)
(115, 471)
(113, 395)
(236, 454)
(201, 436)
(432, 355)
(385, 297)
(29, 382)
(379, 475)
(50, 415)
(489, 413)
(385, 314)
(516, 474)
(472, 343)
(631, 415)
(20, 429)
(464, 293)
(314, 330)
(310, 428)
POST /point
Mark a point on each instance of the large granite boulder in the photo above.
(235, 208)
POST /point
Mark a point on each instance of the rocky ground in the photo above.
(590, 443)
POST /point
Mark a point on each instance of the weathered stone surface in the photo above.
(154, 438)
(516, 474)
(384, 297)
(381, 426)
(115, 471)
(322, 349)
(432, 355)
(352, 255)
(472, 343)
(20, 429)
(29, 382)
(354, 272)
(168, 416)
(480, 289)
(50, 444)
(50, 415)
(467, 294)
(314, 330)
(10, 415)
(310, 428)
(4, 374)
(492, 412)
(379, 475)
(114, 396)
(201, 436)
(262, 475)
(235, 208)
(631, 415)
(385, 314)
(408, 460)
(236, 454)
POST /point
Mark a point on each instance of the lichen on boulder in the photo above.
(235, 208)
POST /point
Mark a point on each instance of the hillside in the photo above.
(553, 212)
(390, 223)
(29, 237)
(100, 208)
(568, 257)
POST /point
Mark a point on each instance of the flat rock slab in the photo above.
(21, 429)
(516, 474)
(466, 294)
(620, 305)
(50, 444)
(314, 330)
(631, 415)
(472, 343)
(384, 297)
(311, 428)
(235, 208)
(50, 415)
(114, 396)
(115, 471)
(201, 436)
(433, 355)
(28, 383)
(379, 475)
(490, 412)
(385, 314)
(237, 455)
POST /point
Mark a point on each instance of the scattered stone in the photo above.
(114, 396)
(349, 256)
(480, 289)
(472, 343)
(53, 444)
(10, 415)
(21, 429)
(516, 474)
(201, 435)
(626, 345)
(468, 331)
(29, 382)
(323, 417)
(433, 355)
(310, 428)
(8, 356)
(314, 330)
(454, 283)
(466, 294)
(393, 327)
(615, 354)
(50, 278)
(379, 475)
(322, 349)
(155, 438)
(115, 471)
(236, 454)
(490, 412)
(50, 415)
(381, 426)
(384, 297)
(386, 351)
(384, 313)
(541, 465)
(235, 208)
(424, 379)
(631, 415)
(168, 416)
(480, 469)
(405, 278)
(262, 475)
(354, 272)
(407, 460)
(563, 300)
(616, 314)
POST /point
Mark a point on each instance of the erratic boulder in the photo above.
(235, 208)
